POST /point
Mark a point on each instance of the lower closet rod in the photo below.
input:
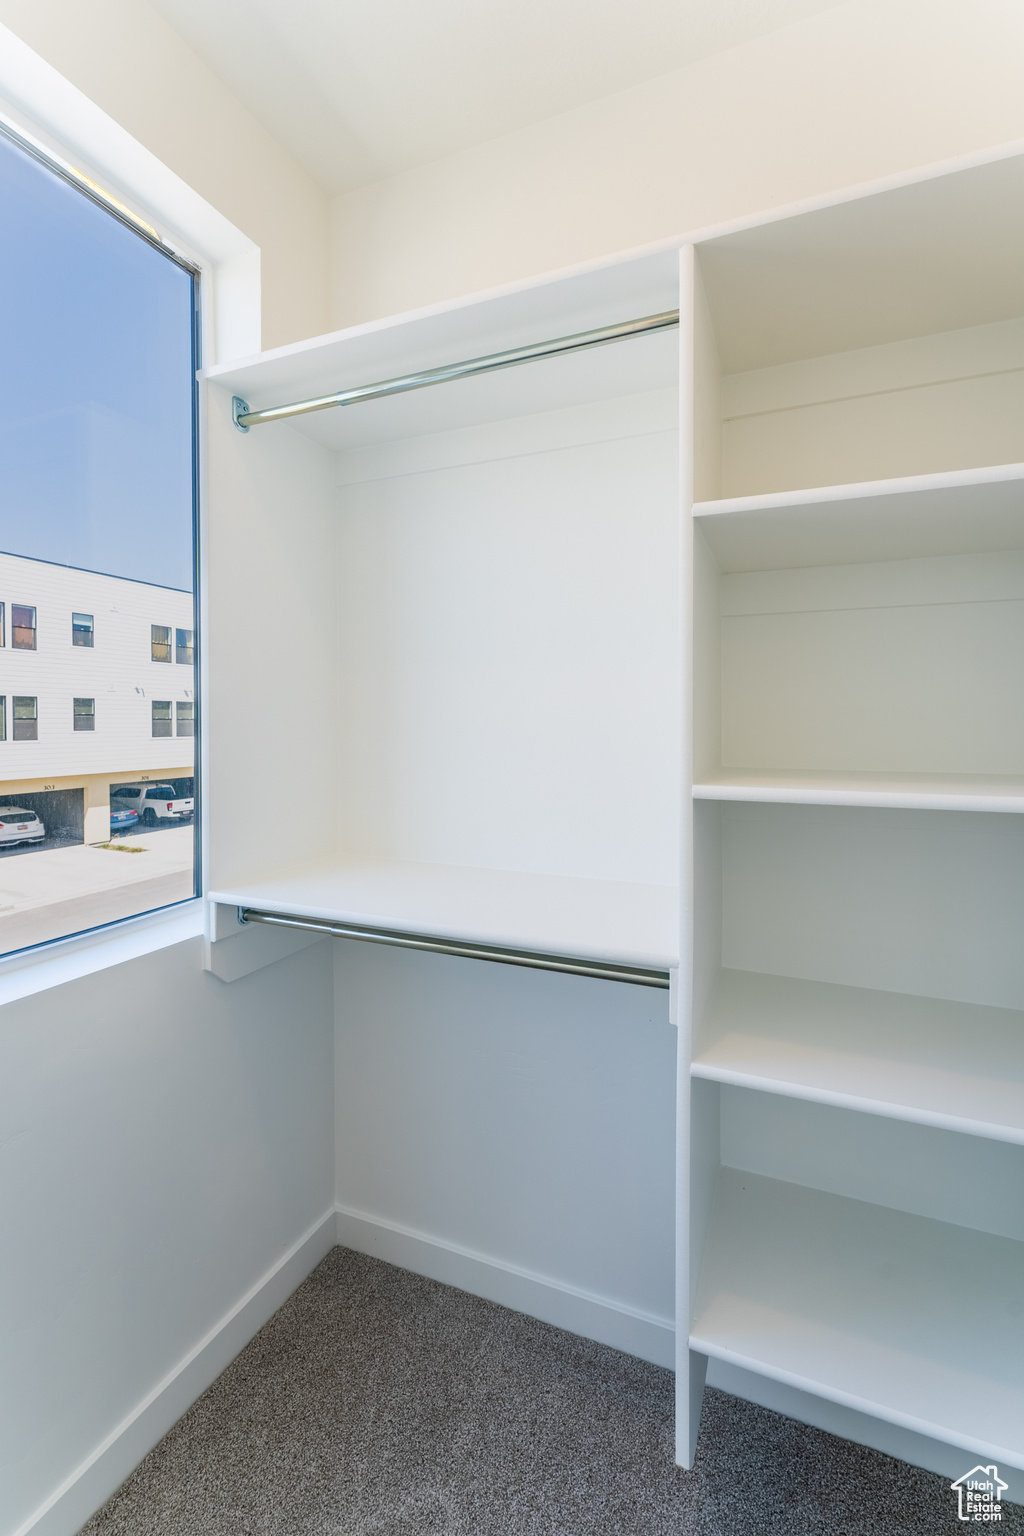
(244, 418)
(637, 975)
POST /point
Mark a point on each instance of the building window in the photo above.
(183, 646)
(160, 642)
(26, 717)
(186, 719)
(23, 628)
(85, 714)
(3, 625)
(81, 629)
(3, 717)
(162, 724)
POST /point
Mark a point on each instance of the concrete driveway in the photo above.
(67, 890)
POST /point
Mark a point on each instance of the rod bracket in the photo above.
(239, 407)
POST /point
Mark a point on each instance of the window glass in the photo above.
(3, 627)
(183, 647)
(26, 717)
(97, 474)
(23, 627)
(3, 717)
(81, 629)
(185, 719)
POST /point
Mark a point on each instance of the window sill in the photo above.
(52, 965)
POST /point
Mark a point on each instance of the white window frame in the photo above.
(57, 118)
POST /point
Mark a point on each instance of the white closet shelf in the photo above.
(916, 1321)
(456, 331)
(953, 512)
(617, 922)
(959, 1066)
(901, 791)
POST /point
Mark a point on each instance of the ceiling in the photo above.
(357, 90)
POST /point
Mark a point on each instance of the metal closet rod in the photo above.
(535, 960)
(244, 418)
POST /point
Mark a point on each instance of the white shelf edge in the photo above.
(876, 1409)
(880, 799)
(277, 897)
(912, 1114)
(442, 308)
(862, 490)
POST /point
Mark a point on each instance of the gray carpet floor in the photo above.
(378, 1403)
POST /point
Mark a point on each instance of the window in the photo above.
(81, 629)
(3, 718)
(97, 516)
(3, 637)
(23, 627)
(183, 646)
(26, 718)
(186, 719)
(160, 641)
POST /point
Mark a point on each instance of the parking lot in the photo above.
(75, 886)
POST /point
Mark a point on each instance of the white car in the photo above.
(152, 803)
(19, 826)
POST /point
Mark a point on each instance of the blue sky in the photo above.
(95, 385)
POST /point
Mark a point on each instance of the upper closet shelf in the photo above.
(599, 920)
(881, 791)
(456, 332)
(954, 512)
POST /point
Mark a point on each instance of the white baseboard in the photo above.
(91, 1484)
(594, 1317)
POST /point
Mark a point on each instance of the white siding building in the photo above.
(96, 683)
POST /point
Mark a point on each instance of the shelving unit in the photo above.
(857, 1033)
(468, 603)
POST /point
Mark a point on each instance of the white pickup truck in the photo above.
(152, 803)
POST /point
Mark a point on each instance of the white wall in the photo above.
(166, 1139)
(868, 89)
(126, 58)
(511, 1132)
